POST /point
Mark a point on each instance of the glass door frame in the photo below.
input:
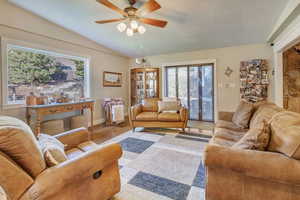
(188, 66)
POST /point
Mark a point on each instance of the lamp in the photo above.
(122, 27)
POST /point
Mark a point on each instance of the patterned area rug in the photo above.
(160, 166)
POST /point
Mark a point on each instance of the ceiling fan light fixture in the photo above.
(134, 24)
(141, 29)
(129, 32)
(122, 27)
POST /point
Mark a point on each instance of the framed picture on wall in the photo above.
(112, 79)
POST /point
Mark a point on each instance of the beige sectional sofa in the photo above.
(247, 174)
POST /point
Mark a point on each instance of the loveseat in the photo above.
(91, 172)
(248, 174)
(148, 115)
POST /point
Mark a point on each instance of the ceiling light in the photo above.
(122, 27)
(141, 29)
(134, 25)
(129, 32)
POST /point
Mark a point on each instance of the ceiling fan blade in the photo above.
(154, 22)
(149, 7)
(112, 6)
(109, 21)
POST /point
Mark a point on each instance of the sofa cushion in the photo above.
(256, 138)
(150, 105)
(88, 146)
(19, 143)
(52, 149)
(221, 142)
(228, 134)
(169, 117)
(168, 106)
(147, 116)
(74, 153)
(285, 134)
(264, 111)
(242, 115)
(229, 125)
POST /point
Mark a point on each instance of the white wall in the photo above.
(18, 24)
(228, 96)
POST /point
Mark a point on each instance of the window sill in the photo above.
(13, 106)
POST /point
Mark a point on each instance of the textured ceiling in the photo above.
(193, 24)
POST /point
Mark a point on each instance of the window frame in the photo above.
(10, 43)
(188, 66)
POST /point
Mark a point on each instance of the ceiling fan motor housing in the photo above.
(131, 11)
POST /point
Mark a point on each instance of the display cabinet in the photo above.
(144, 84)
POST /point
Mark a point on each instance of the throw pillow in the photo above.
(52, 149)
(256, 138)
(243, 114)
(168, 106)
(285, 134)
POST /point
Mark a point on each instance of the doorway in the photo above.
(194, 86)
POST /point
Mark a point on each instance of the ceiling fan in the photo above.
(133, 16)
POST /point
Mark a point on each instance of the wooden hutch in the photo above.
(144, 84)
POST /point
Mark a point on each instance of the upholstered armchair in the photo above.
(91, 172)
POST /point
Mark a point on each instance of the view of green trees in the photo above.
(26, 67)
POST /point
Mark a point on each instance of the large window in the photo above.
(43, 73)
(194, 86)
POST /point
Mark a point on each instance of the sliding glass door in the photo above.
(194, 86)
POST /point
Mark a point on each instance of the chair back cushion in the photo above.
(168, 106)
(14, 180)
(243, 114)
(285, 134)
(19, 143)
(150, 105)
(265, 112)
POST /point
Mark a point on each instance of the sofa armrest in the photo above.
(135, 110)
(183, 114)
(226, 116)
(258, 164)
(73, 137)
(73, 172)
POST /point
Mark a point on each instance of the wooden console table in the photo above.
(42, 110)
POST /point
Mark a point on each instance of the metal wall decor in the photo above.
(228, 71)
(254, 80)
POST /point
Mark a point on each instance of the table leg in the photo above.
(38, 124)
(27, 116)
(92, 123)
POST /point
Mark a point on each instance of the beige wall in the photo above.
(227, 88)
(18, 24)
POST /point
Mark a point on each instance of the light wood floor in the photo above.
(103, 133)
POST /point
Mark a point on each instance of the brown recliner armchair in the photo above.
(91, 172)
(147, 115)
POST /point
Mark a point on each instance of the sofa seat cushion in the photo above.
(74, 153)
(228, 134)
(169, 117)
(88, 146)
(285, 134)
(222, 142)
(256, 138)
(229, 125)
(147, 116)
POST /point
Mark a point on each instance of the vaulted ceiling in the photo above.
(193, 24)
